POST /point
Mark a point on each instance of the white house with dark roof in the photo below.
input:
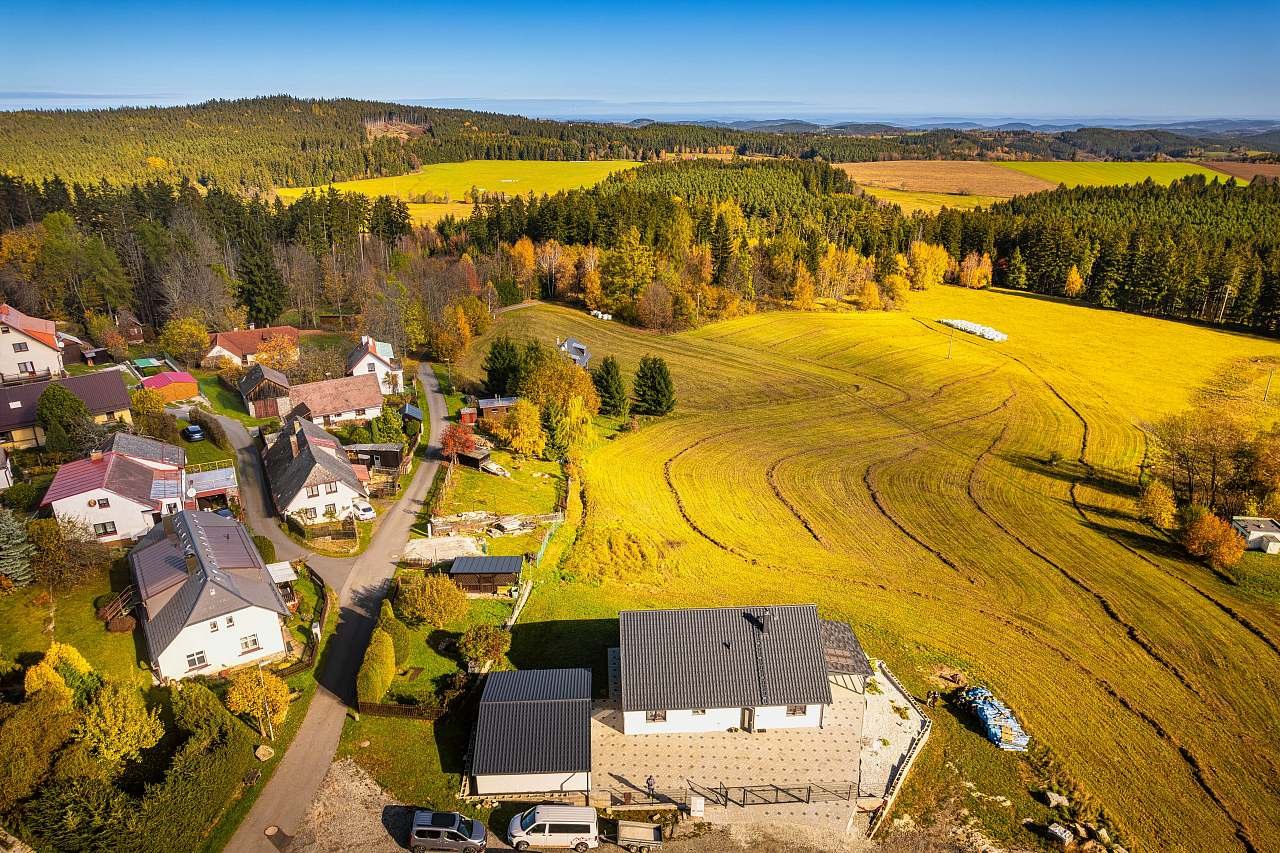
(576, 350)
(378, 358)
(310, 476)
(1260, 534)
(114, 495)
(715, 669)
(533, 733)
(208, 601)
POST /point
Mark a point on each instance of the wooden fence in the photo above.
(392, 709)
(312, 648)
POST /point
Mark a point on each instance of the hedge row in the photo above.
(212, 427)
(379, 668)
(401, 639)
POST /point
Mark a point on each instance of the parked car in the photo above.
(575, 827)
(363, 511)
(495, 469)
(225, 512)
(193, 432)
(446, 831)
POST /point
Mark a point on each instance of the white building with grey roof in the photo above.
(716, 669)
(208, 602)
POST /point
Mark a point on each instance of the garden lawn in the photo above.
(222, 399)
(23, 621)
(532, 488)
(200, 452)
(436, 665)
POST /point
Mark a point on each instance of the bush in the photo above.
(483, 644)
(30, 734)
(379, 668)
(431, 599)
(122, 625)
(82, 814)
(401, 639)
(266, 548)
(103, 600)
(23, 497)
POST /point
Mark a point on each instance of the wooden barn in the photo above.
(495, 407)
(390, 455)
(487, 575)
(265, 392)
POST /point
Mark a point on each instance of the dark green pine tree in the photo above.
(553, 427)
(502, 366)
(1016, 276)
(611, 388)
(262, 291)
(655, 393)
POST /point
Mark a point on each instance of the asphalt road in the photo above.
(361, 583)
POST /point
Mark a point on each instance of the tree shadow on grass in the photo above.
(566, 643)
(1070, 471)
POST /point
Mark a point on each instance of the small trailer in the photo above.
(637, 836)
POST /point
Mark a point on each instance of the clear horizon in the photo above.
(1052, 61)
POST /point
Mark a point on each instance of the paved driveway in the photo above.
(361, 583)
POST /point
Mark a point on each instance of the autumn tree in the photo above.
(803, 290)
(523, 261)
(1156, 505)
(611, 388)
(1212, 539)
(184, 338)
(926, 264)
(521, 429)
(975, 271)
(1074, 285)
(65, 552)
(117, 726)
(484, 644)
(279, 352)
(146, 401)
(457, 440)
(262, 696)
(433, 600)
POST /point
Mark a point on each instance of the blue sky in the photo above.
(1047, 60)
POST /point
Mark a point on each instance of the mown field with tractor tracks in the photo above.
(971, 512)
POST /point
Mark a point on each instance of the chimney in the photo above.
(191, 561)
(167, 521)
(95, 455)
(765, 619)
(251, 326)
(293, 444)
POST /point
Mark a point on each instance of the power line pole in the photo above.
(951, 341)
(1267, 393)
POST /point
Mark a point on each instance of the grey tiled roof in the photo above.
(228, 574)
(144, 447)
(842, 650)
(533, 721)
(723, 657)
(288, 474)
(487, 566)
(255, 375)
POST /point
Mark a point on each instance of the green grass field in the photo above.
(910, 200)
(455, 180)
(972, 512)
(1109, 174)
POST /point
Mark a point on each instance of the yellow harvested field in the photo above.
(972, 177)
(972, 512)
(911, 200)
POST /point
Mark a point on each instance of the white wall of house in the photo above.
(718, 720)
(1258, 540)
(341, 500)
(39, 355)
(222, 649)
(532, 783)
(372, 364)
(353, 415)
(131, 518)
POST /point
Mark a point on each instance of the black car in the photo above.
(193, 432)
(446, 831)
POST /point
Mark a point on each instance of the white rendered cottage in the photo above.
(715, 669)
(1260, 534)
(208, 601)
(29, 346)
(377, 358)
(310, 476)
(114, 495)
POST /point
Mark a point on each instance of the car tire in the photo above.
(522, 845)
(473, 850)
(581, 847)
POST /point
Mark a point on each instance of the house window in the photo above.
(797, 710)
(21, 346)
(26, 367)
(331, 509)
(331, 488)
(104, 503)
(655, 716)
(231, 620)
(213, 627)
(4, 330)
(309, 512)
(195, 660)
(313, 491)
(699, 712)
(106, 528)
(372, 367)
(249, 644)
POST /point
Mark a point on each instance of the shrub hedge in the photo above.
(212, 427)
(379, 668)
(401, 639)
(266, 548)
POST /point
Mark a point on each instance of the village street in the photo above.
(361, 583)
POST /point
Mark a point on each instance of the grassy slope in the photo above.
(1107, 174)
(911, 200)
(843, 459)
(514, 177)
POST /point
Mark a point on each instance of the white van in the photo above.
(555, 826)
